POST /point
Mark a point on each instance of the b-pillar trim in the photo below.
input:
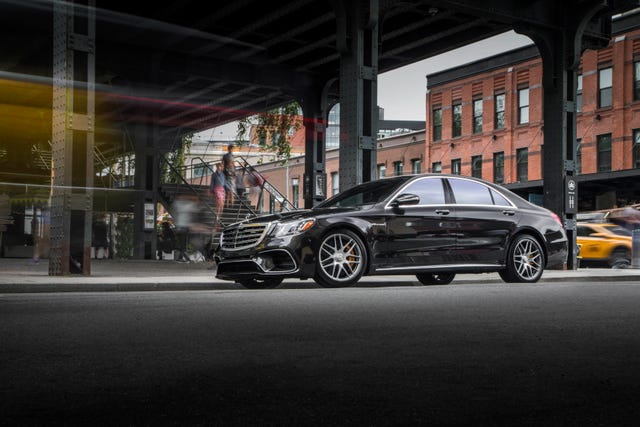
(358, 46)
(73, 127)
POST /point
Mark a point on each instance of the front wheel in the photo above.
(525, 261)
(268, 283)
(341, 259)
(428, 279)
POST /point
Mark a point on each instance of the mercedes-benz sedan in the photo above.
(430, 226)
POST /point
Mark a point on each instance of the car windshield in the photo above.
(364, 194)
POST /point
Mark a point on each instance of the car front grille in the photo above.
(243, 236)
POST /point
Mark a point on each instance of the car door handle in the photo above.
(508, 212)
(442, 211)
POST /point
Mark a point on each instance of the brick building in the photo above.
(485, 119)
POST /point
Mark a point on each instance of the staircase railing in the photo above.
(182, 182)
(265, 185)
(243, 207)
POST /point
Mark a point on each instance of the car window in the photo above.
(363, 194)
(468, 192)
(499, 199)
(620, 231)
(583, 231)
(430, 191)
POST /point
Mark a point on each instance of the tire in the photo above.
(428, 279)
(268, 283)
(525, 260)
(619, 256)
(341, 259)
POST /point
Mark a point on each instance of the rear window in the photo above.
(470, 192)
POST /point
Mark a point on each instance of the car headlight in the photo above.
(291, 228)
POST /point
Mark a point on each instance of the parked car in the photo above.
(603, 244)
(433, 226)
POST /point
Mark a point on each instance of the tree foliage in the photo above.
(177, 159)
(273, 129)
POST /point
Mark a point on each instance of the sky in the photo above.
(401, 92)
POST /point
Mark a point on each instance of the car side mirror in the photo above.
(406, 199)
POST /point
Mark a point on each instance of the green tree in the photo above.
(177, 159)
(273, 128)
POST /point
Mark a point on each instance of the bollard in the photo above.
(635, 248)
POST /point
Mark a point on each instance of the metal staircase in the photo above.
(184, 185)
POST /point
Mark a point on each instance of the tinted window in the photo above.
(363, 194)
(430, 190)
(470, 192)
(499, 199)
(583, 231)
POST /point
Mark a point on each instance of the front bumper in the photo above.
(281, 257)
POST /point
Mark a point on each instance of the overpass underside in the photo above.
(90, 76)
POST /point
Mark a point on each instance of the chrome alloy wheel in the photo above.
(527, 258)
(341, 258)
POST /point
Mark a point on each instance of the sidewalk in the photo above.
(19, 275)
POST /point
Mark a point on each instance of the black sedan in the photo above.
(433, 226)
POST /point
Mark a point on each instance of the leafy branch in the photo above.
(272, 129)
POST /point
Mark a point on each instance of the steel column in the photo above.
(315, 112)
(73, 114)
(561, 51)
(358, 46)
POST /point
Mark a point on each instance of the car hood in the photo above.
(300, 214)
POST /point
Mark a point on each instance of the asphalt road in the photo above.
(552, 354)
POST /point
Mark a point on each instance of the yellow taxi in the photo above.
(603, 243)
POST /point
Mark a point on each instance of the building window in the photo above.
(522, 164)
(477, 116)
(333, 128)
(456, 166)
(578, 156)
(456, 129)
(636, 81)
(605, 83)
(476, 166)
(437, 124)
(498, 167)
(636, 148)
(295, 191)
(335, 183)
(200, 170)
(436, 167)
(499, 111)
(416, 166)
(604, 153)
(382, 171)
(397, 168)
(579, 95)
(523, 106)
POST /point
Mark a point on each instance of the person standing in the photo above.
(218, 189)
(228, 163)
(35, 232)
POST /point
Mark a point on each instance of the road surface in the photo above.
(466, 354)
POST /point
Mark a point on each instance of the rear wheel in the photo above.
(341, 259)
(428, 279)
(268, 283)
(525, 261)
